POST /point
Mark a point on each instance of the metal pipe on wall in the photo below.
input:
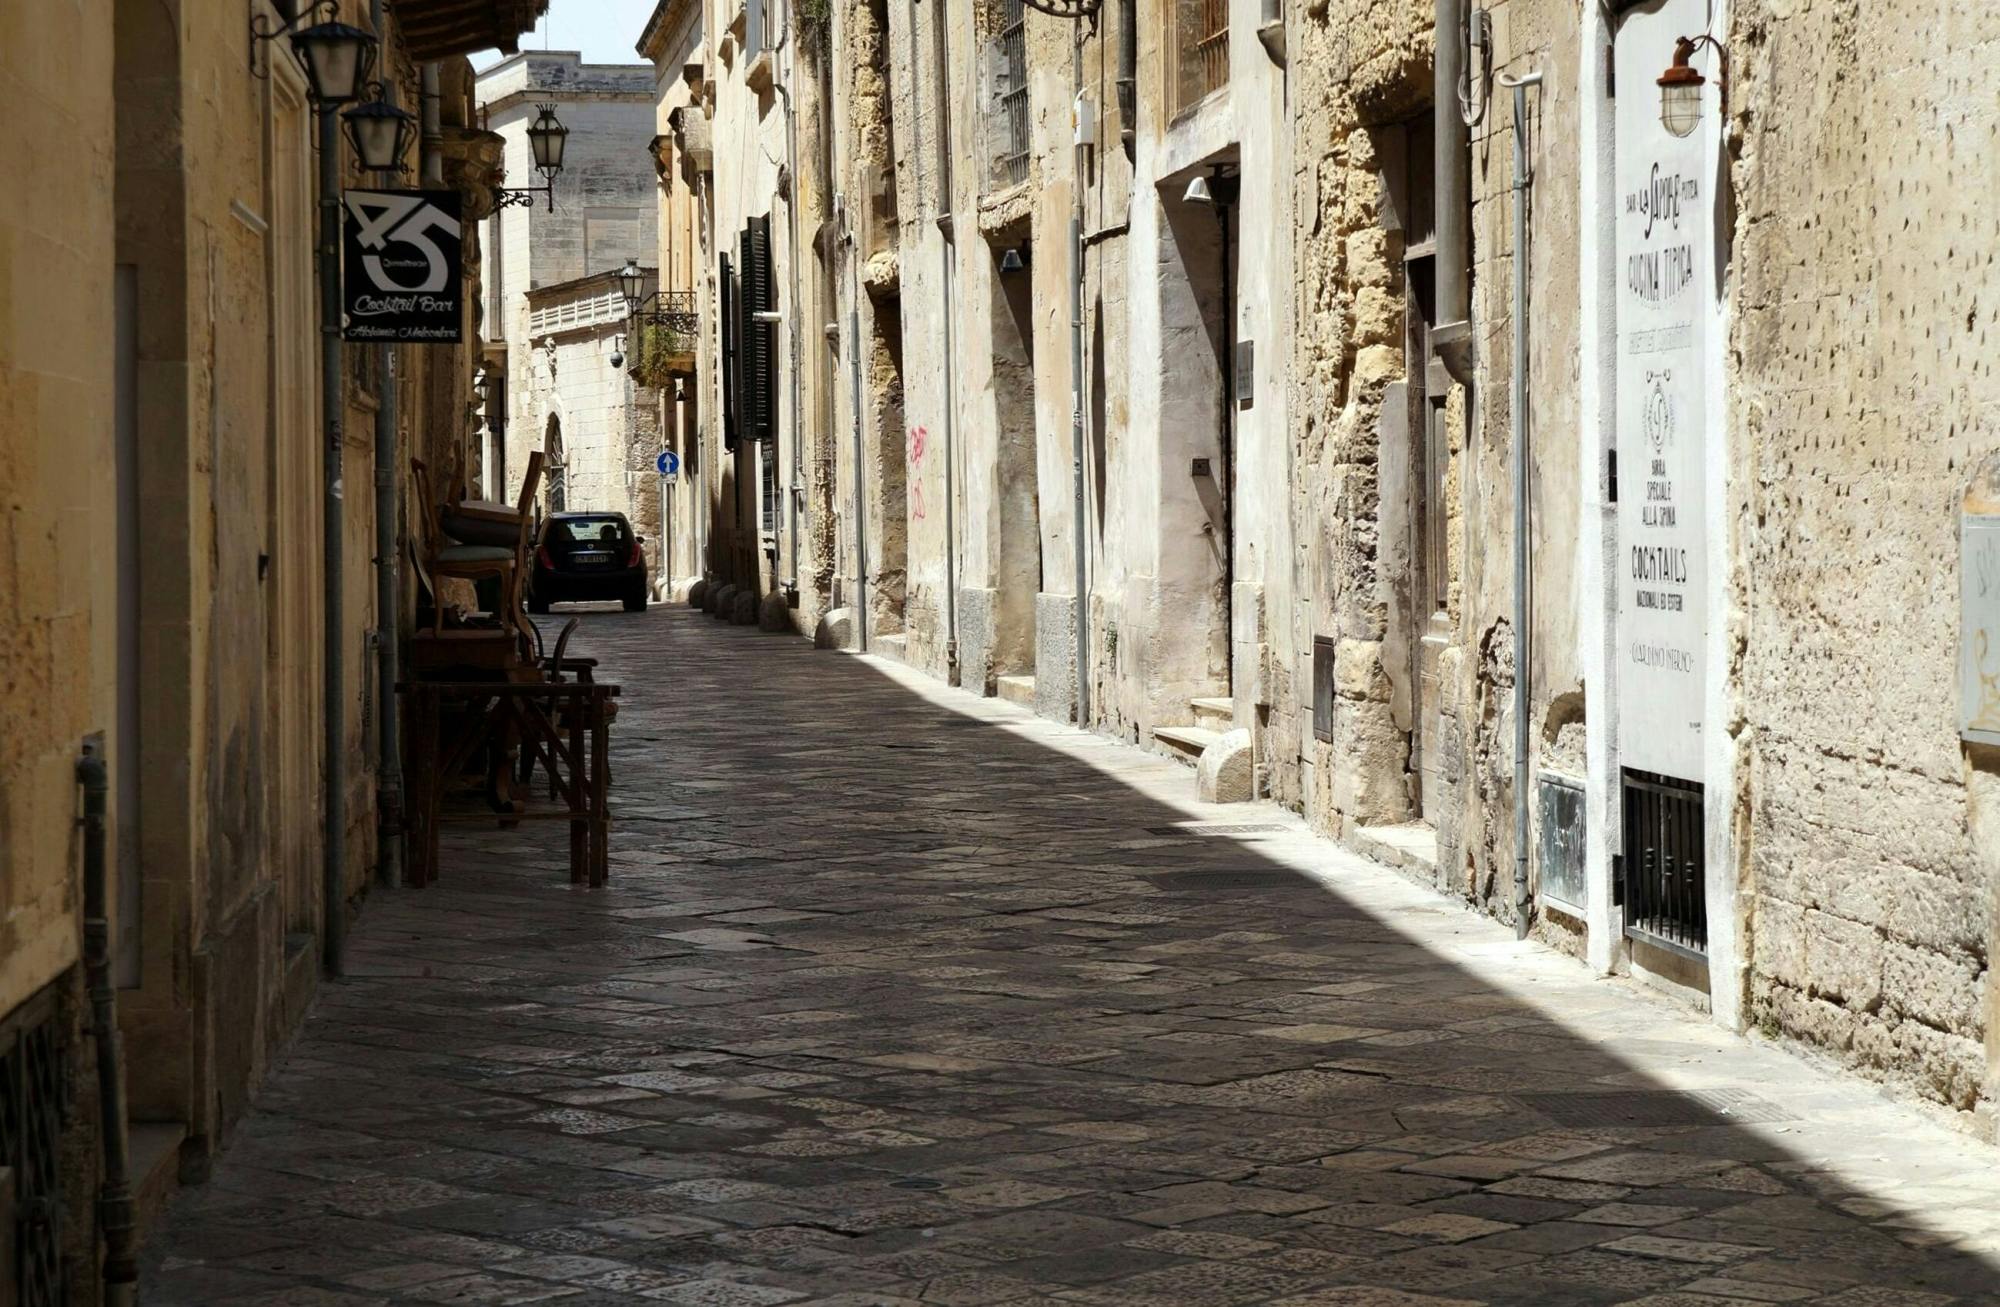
(1452, 165)
(433, 127)
(795, 493)
(333, 667)
(388, 597)
(117, 1214)
(1079, 506)
(1517, 421)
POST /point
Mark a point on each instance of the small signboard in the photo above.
(668, 464)
(403, 267)
(1979, 606)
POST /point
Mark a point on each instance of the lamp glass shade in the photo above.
(547, 137)
(1198, 192)
(337, 59)
(1680, 106)
(380, 133)
(632, 283)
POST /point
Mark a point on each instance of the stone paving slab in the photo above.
(901, 996)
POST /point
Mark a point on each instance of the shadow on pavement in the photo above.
(888, 1003)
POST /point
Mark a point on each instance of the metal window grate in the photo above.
(1203, 50)
(33, 1104)
(1666, 902)
(1323, 688)
(1014, 90)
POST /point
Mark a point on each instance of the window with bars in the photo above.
(1202, 50)
(1664, 867)
(1011, 93)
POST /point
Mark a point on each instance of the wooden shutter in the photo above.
(729, 336)
(760, 359)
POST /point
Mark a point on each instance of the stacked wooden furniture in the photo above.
(483, 697)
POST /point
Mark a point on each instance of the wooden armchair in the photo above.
(444, 558)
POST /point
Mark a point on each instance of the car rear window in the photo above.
(587, 531)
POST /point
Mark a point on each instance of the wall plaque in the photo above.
(1663, 206)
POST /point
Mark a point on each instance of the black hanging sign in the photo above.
(403, 265)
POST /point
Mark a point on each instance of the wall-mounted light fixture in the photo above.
(1680, 85)
(380, 132)
(1011, 260)
(547, 140)
(337, 58)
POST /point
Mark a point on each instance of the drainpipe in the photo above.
(333, 396)
(116, 1212)
(796, 493)
(1452, 164)
(950, 454)
(388, 598)
(1517, 409)
(433, 127)
(1081, 620)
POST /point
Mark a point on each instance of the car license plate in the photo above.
(590, 560)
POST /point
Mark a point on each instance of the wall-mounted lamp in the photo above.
(1011, 260)
(1680, 85)
(547, 139)
(632, 285)
(1219, 186)
(380, 132)
(336, 57)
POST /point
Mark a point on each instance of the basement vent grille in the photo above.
(1666, 900)
(1323, 688)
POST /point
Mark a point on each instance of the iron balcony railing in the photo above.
(673, 309)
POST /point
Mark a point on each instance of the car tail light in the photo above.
(637, 556)
(542, 557)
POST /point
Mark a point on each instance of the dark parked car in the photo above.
(588, 556)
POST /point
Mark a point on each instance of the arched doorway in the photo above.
(552, 461)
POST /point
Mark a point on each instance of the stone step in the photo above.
(1186, 742)
(1016, 689)
(1214, 712)
(889, 646)
(1411, 847)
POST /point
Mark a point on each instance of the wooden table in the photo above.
(564, 726)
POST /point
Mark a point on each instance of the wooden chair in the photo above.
(445, 558)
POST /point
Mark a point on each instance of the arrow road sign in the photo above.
(668, 464)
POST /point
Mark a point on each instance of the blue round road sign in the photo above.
(668, 463)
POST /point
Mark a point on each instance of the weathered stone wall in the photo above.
(1419, 693)
(57, 380)
(1862, 397)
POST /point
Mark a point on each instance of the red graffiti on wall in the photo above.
(919, 443)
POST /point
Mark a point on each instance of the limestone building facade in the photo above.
(552, 305)
(164, 466)
(1533, 486)
(745, 172)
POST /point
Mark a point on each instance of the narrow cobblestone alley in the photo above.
(898, 995)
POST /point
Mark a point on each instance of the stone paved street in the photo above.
(899, 995)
